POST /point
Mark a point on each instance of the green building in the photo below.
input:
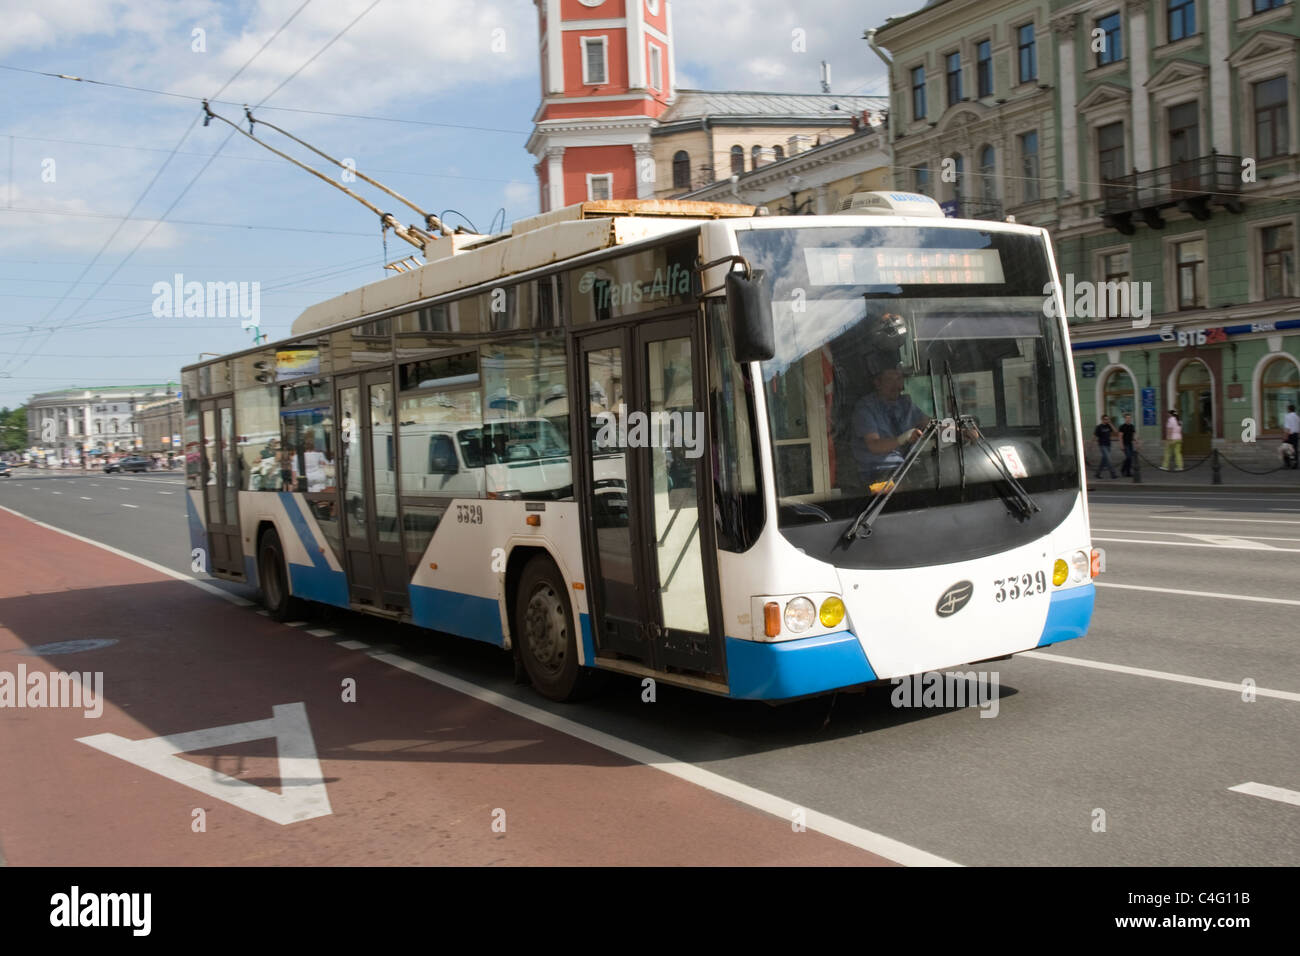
(1159, 142)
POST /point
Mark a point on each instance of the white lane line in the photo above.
(295, 623)
(353, 645)
(125, 505)
(1159, 675)
(56, 492)
(84, 498)
(202, 585)
(321, 632)
(1241, 544)
(94, 484)
(1209, 537)
(1209, 594)
(1280, 794)
(166, 492)
(1199, 518)
(1227, 496)
(868, 840)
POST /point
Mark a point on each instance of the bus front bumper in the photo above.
(758, 670)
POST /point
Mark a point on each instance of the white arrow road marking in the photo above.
(304, 795)
(1279, 794)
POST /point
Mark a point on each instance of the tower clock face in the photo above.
(591, 3)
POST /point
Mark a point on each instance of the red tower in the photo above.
(607, 75)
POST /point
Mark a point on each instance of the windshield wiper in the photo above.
(956, 417)
(872, 511)
(1026, 504)
(934, 404)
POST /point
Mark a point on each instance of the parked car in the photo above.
(5, 470)
(133, 463)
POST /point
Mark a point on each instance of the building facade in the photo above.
(159, 423)
(1185, 149)
(104, 420)
(1158, 141)
(802, 177)
(613, 125)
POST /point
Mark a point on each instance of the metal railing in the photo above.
(1216, 175)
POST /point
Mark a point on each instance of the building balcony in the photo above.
(1190, 186)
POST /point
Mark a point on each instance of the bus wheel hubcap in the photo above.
(547, 632)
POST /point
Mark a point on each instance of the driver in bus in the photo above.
(886, 421)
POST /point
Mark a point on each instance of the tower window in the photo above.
(600, 186)
(594, 61)
(737, 159)
(656, 68)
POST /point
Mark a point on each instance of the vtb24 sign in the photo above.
(1188, 337)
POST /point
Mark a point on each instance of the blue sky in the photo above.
(76, 157)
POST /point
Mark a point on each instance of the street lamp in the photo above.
(796, 208)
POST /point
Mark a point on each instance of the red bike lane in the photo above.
(404, 771)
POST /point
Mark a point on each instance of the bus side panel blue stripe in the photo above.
(318, 582)
(588, 642)
(313, 584)
(761, 671)
(303, 531)
(464, 615)
(1068, 614)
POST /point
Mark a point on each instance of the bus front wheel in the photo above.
(547, 641)
(274, 578)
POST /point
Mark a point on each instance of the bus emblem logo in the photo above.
(954, 599)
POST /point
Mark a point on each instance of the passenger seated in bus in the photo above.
(886, 422)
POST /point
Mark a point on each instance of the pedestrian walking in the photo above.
(1103, 433)
(1173, 441)
(1291, 425)
(1128, 434)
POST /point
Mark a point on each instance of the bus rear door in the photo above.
(221, 466)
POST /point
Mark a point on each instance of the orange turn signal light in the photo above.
(771, 619)
(1096, 563)
(534, 521)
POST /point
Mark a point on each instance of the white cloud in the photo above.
(750, 44)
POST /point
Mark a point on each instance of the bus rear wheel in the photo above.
(546, 639)
(273, 575)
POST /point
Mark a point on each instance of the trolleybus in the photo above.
(764, 457)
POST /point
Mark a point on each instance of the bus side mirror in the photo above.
(750, 308)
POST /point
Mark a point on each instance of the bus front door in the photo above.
(221, 466)
(644, 474)
(372, 532)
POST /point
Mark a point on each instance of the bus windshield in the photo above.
(878, 331)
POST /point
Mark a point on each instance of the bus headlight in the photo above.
(1082, 565)
(800, 614)
(832, 612)
(1060, 571)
